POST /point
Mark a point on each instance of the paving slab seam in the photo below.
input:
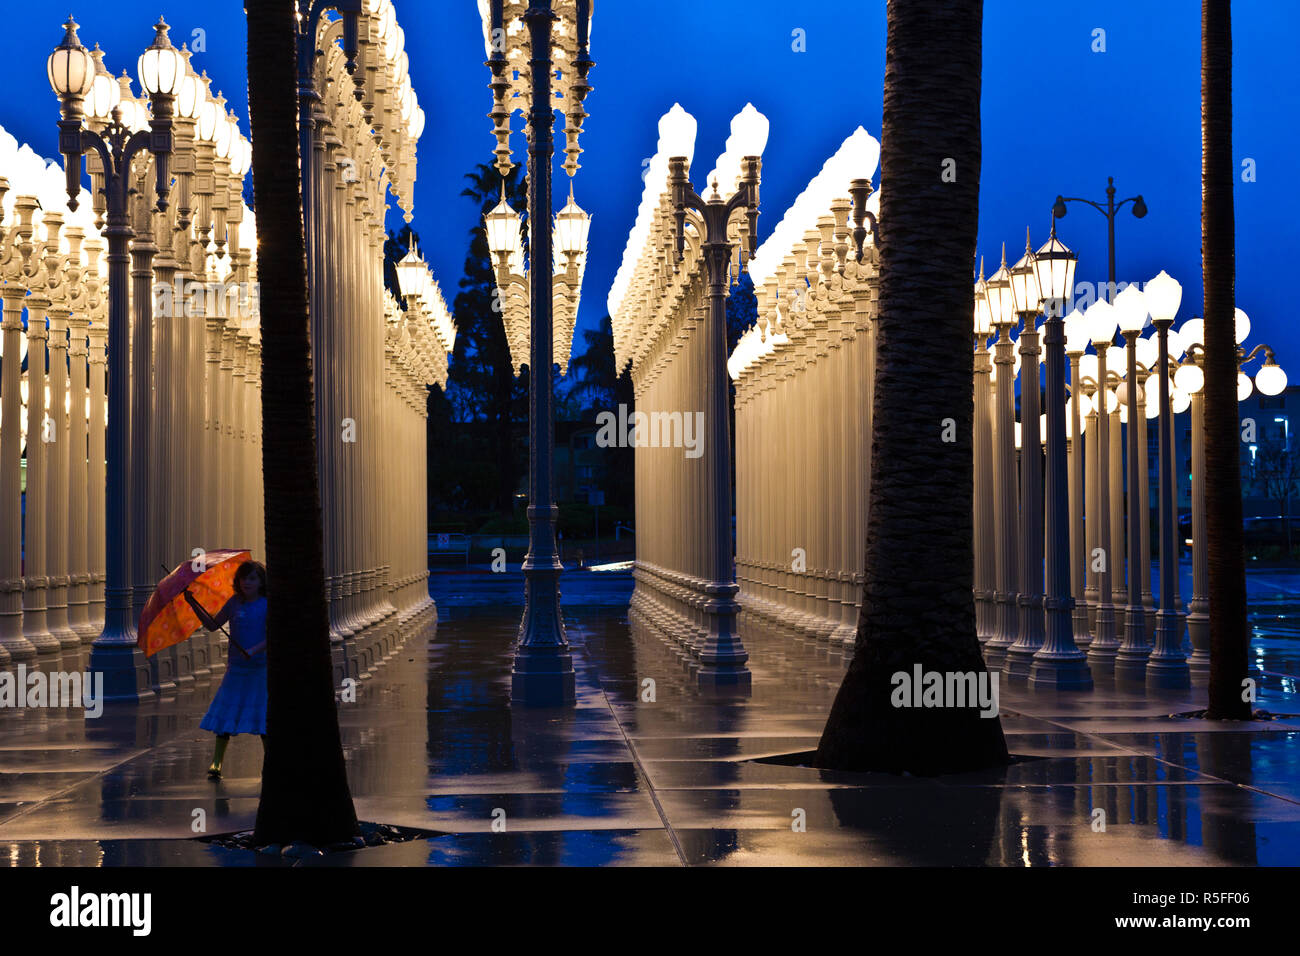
(641, 771)
(1169, 763)
(73, 786)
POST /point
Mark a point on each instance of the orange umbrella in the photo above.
(167, 618)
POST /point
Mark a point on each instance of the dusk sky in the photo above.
(1057, 117)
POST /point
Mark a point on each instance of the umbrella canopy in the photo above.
(167, 618)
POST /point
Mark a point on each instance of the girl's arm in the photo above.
(210, 622)
(256, 648)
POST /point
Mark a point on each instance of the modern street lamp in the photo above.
(731, 208)
(1058, 663)
(1109, 210)
(71, 71)
(1131, 658)
(1102, 323)
(1167, 665)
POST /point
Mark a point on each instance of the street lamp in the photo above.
(543, 666)
(1058, 663)
(985, 569)
(1167, 665)
(1076, 344)
(1102, 323)
(72, 75)
(1131, 658)
(732, 205)
(997, 290)
(1059, 210)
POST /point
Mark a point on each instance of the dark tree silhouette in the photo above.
(918, 606)
(305, 794)
(1229, 634)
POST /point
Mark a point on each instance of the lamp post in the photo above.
(1100, 317)
(1167, 665)
(722, 654)
(1058, 663)
(71, 73)
(1131, 658)
(1076, 343)
(985, 560)
(543, 667)
(1059, 210)
(1002, 311)
(1026, 299)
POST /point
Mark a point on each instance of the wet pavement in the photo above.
(432, 742)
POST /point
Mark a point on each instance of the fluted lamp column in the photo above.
(1101, 320)
(1131, 657)
(1167, 666)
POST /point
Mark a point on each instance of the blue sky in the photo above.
(1057, 117)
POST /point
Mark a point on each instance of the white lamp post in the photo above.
(1102, 322)
(1167, 665)
(1131, 658)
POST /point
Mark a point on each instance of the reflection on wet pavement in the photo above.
(645, 771)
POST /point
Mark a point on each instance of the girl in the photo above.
(240, 704)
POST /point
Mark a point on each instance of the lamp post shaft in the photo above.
(1131, 658)
(1058, 663)
(1167, 667)
(1101, 652)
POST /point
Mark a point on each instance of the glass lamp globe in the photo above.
(1163, 296)
(1076, 332)
(1244, 386)
(161, 67)
(1241, 326)
(1192, 333)
(501, 222)
(572, 226)
(1179, 401)
(1270, 380)
(70, 68)
(1102, 322)
(1189, 378)
(1131, 310)
(1024, 283)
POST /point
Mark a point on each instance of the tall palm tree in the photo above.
(305, 794)
(917, 601)
(1229, 636)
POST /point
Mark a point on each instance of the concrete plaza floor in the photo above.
(432, 742)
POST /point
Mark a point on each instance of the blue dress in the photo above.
(240, 704)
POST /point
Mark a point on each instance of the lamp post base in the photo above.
(1065, 672)
(126, 671)
(1167, 667)
(543, 677)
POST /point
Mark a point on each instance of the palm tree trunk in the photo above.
(1229, 636)
(305, 794)
(918, 607)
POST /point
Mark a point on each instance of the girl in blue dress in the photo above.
(240, 704)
